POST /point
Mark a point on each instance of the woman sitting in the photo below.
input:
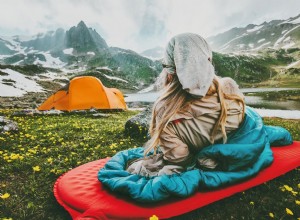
(202, 135)
(195, 109)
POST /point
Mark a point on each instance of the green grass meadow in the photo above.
(46, 146)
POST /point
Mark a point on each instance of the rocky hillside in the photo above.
(78, 49)
(276, 34)
(252, 70)
(83, 39)
(31, 68)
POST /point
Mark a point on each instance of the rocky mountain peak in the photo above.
(84, 39)
(81, 24)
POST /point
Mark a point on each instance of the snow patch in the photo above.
(50, 76)
(54, 75)
(68, 51)
(4, 56)
(293, 64)
(261, 46)
(284, 31)
(13, 44)
(32, 51)
(91, 53)
(288, 45)
(287, 39)
(226, 45)
(51, 62)
(296, 21)
(261, 40)
(115, 78)
(251, 45)
(21, 85)
(283, 37)
(224, 48)
(18, 63)
(104, 68)
(290, 21)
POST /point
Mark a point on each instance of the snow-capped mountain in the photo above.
(79, 48)
(267, 51)
(275, 34)
(54, 49)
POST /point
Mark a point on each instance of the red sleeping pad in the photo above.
(84, 197)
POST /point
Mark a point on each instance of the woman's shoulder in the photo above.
(229, 86)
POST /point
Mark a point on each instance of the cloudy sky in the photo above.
(140, 24)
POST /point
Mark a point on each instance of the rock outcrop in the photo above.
(138, 125)
(7, 125)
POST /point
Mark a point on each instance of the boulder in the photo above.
(7, 125)
(138, 125)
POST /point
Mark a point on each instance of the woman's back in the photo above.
(190, 129)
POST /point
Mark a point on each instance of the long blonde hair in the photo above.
(175, 99)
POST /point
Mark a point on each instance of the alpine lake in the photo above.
(260, 98)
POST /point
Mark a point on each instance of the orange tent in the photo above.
(85, 92)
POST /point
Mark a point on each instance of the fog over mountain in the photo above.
(140, 24)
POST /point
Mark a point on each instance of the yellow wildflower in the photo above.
(288, 188)
(153, 217)
(294, 193)
(14, 156)
(251, 203)
(297, 202)
(299, 185)
(52, 171)
(288, 211)
(271, 215)
(36, 168)
(5, 196)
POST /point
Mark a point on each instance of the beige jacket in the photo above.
(189, 131)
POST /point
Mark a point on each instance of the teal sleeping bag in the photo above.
(246, 152)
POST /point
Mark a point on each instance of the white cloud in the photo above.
(140, 24)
